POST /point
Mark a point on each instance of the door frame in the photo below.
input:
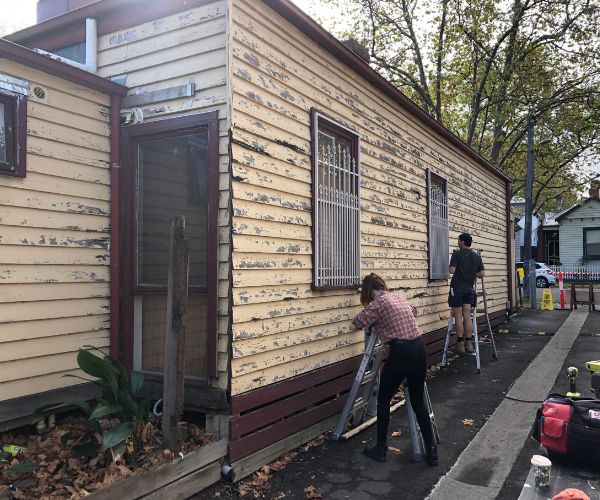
(131, 135)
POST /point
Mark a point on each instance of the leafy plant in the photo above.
(23, 468)
(119, 399)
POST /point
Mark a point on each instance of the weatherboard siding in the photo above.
(571, 232)
(280, 327)
(187, 47)
(54, 238)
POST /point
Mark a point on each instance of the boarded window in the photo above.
(13, 133)
(336, 202)
(437, 192)
(591, 243)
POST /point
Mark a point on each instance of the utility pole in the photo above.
(528, 262)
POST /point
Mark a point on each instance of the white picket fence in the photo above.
(578, 273)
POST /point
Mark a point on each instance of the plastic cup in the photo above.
(541, 470)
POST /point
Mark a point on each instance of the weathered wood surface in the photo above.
(187, 47)
(169, 474)
(174, 366)
(189, 485)
(54, 235)
(280, 327)
(247, 465)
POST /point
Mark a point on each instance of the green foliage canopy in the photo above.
(480, 66)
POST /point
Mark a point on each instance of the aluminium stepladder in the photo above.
(475, 337)
(357, 400)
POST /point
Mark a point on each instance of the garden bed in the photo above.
(60, 463)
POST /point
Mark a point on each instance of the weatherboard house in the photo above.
(298, 169)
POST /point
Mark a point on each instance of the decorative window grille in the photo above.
(336, 202)
(439, 242)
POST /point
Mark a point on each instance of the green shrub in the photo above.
(119, 389)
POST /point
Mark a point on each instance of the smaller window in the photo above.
(13, 132)
(591, 243)
(75, 52)
(439, 243)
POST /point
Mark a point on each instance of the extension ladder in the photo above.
(357, 400)
(475, 337)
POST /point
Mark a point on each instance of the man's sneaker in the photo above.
(376, 452)
(459, 348)
(469, 346)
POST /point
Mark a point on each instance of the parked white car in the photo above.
(544, 276)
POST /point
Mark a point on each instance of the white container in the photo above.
(541, 470)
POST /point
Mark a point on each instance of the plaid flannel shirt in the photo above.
(392, 317)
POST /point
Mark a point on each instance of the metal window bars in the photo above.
(438, 218)
(337, 245)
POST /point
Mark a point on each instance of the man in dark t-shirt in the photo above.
(465, 267)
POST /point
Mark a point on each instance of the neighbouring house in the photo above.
(298, 168)
(579, 231)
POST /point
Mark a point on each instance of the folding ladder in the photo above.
(475, 337)
(357, 400)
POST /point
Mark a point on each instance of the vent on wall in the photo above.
(39, 93)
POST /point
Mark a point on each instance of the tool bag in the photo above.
(569, 427)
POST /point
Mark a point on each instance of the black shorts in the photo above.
(460, 296)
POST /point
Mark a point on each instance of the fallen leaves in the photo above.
(61, 472)
(395, 451)
(259, 483)
(396, 433)
(468, 421)
(311, 492)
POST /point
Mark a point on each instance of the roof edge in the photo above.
(27, 57)
(569, 211)
(321, 36)
(43, 27)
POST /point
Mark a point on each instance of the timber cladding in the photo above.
(54, 237)
(281, 327)
(267, 415)
(183, 46)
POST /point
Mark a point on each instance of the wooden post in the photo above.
(174, 366)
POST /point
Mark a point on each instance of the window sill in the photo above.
(315, 288)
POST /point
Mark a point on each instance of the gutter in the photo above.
(115, 225)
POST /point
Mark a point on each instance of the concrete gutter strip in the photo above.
(480, 471)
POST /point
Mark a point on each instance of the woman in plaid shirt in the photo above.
(393, 321)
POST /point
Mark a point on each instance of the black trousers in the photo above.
(407, 359)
